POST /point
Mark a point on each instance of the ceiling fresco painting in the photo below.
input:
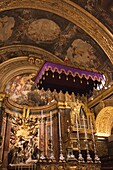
(6, 27)
(19, 86)
(81, 53)
(21, 92)
(43, 30)
(52, 33)
(31, 24)
(103, 10)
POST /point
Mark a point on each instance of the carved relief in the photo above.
(104, 122)
(37, 61)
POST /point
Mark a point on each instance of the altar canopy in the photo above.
(66, 78)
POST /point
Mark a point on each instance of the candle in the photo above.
(84, 127)
(27, 115)
(46, 138)
(77, 128)
(59, 125)
(42, 121)
(61, 158)
(91, 127)
(42, 137)
(38, 126)
(96, 158)
(51, 135)
(51, 124)
(80, 157)
(89, 159)
(42, 115)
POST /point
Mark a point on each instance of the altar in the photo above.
(55, 129)
(55, 138)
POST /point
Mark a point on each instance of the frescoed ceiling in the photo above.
(52, 33)
(23, 30)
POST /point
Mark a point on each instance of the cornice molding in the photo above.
(104, 94)
(12, 107)
(71, 12)
(37, 52)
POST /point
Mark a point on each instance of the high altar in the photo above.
(57, 133)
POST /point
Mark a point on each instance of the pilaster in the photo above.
(2, 96)
(6, 141)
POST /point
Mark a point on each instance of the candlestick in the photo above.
(38, 133)
(52, 158)
(46, 138)
(42, 157)
(38, 156)
(96, 158)
(51, 127)
(70, 155)
(89, 159)
(80, 157)
(59, 124)
(61, 158)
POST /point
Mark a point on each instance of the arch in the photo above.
(73, 13)
(22, 64)
(104, 122)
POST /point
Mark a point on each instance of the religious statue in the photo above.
(75, 110)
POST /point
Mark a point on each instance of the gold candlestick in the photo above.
(89, 159)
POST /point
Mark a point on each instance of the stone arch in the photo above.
(73, 13)
(104, 122)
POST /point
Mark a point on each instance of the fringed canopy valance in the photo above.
(68, 70)
(66, 78)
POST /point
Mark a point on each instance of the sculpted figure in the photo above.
(75, 110)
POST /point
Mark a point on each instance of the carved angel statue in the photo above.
(75, 110)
